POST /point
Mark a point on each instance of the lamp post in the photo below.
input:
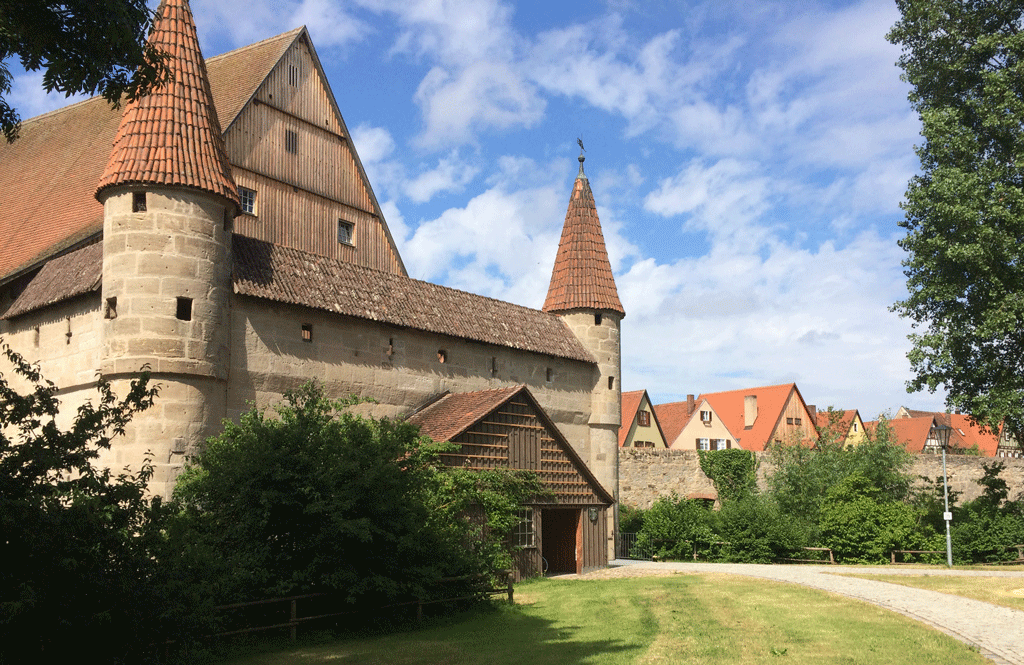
(942, 436)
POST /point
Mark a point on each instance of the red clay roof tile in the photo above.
(771, 400)
(630, 403)
(582, 277)
(172, 136)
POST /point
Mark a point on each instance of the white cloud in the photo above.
(241, 22)
(373, 144)
(29, 98)
(451, 174)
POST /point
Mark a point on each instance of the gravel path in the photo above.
(997, 631)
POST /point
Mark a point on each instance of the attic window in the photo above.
(184, 309)
(291, 141)
(247, 197)
(293, 75)
(345, 232)
(307, 332)
(110, 310)
(705, 416)
(643, 418)
(138, 201)
(789, 421)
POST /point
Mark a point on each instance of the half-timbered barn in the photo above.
(222, 231)
(506, 428)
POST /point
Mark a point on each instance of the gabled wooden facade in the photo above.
(506, 428)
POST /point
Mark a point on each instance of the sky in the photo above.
(748, 161)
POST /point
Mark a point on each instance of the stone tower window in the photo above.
(110, 310)
(611, 383)
(138, 201)
(597, 318)
(184, 310)
(548, 375)
(307, 332)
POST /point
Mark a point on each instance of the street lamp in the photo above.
(942, 436)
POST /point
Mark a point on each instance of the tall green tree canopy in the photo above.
(82, 46)
(965, 210)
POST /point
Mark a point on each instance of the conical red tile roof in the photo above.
(172, 136)
(582, 276)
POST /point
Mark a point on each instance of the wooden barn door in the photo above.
(560, 537)
(524, 449)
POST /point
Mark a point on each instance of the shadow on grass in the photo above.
(492, 635)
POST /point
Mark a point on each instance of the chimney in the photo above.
(749, 410)
(813, 410)
(690, 406)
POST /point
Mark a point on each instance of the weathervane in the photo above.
(581, 174)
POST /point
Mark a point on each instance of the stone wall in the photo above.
(647, 474)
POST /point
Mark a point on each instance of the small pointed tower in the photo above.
(168, 203)
(582, 292)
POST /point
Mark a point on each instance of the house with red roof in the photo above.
(844, 427)
(696, 425)
(222, 231)
(965, 434)
(640, 427)
(764, 415)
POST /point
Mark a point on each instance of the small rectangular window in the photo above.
(345, 232)
(524, 535)
(789, 421)
(138, 201)
(611, 383)
(307, 332)
(247, 198)
(442, 356)
(703, 444)
(293, 75)
(798, 421)
(184, 310)
(705, 416)
(597, 318)
(291, 141)
(548, 375)
(110, 310)
(643, 418)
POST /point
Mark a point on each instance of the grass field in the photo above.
(1006, 591)
(708, 618)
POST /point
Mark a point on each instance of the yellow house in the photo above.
(695, 425)
(640, 427)
(847, 426)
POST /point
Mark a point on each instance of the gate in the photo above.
(632, 547)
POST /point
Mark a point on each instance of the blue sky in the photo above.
(747, 163)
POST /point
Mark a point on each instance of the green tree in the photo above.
(82, 46)
(673, 526)
(319, 499)
(78, 543)
(965, 210)
(754, 529)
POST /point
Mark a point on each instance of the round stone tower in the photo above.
(582, 292)
(168, 200)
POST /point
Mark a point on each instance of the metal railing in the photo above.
(629, 546)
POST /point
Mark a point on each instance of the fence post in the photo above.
(419, 610)
(294, 623)
(511, 601)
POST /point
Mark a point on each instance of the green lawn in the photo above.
(1006, 591)
(709, 618)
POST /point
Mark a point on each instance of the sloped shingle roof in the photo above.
(673, 417)
(582, 277)
(630, 403)
(48, 176)
(288, 275)
(454, 413)
(60, 279)
(172, 136)
(771, 400)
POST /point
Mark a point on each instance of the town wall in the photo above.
(647, 474)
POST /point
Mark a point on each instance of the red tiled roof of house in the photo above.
(912, 433)
(289, 275)
(48, 176)
(454, 413)
(582, 277)
(171, 136)
(771, 400)
(673, 417)
(843, 423)
(630, 403)
(971, 435)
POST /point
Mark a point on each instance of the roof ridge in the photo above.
(261, 43)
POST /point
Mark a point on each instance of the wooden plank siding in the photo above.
(513, 437)
(302, 194)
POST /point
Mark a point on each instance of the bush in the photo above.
(673, 526)
(756, 530)
(733, 472)
(631, 518)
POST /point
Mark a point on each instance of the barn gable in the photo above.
(506, 428)
(290, 147)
